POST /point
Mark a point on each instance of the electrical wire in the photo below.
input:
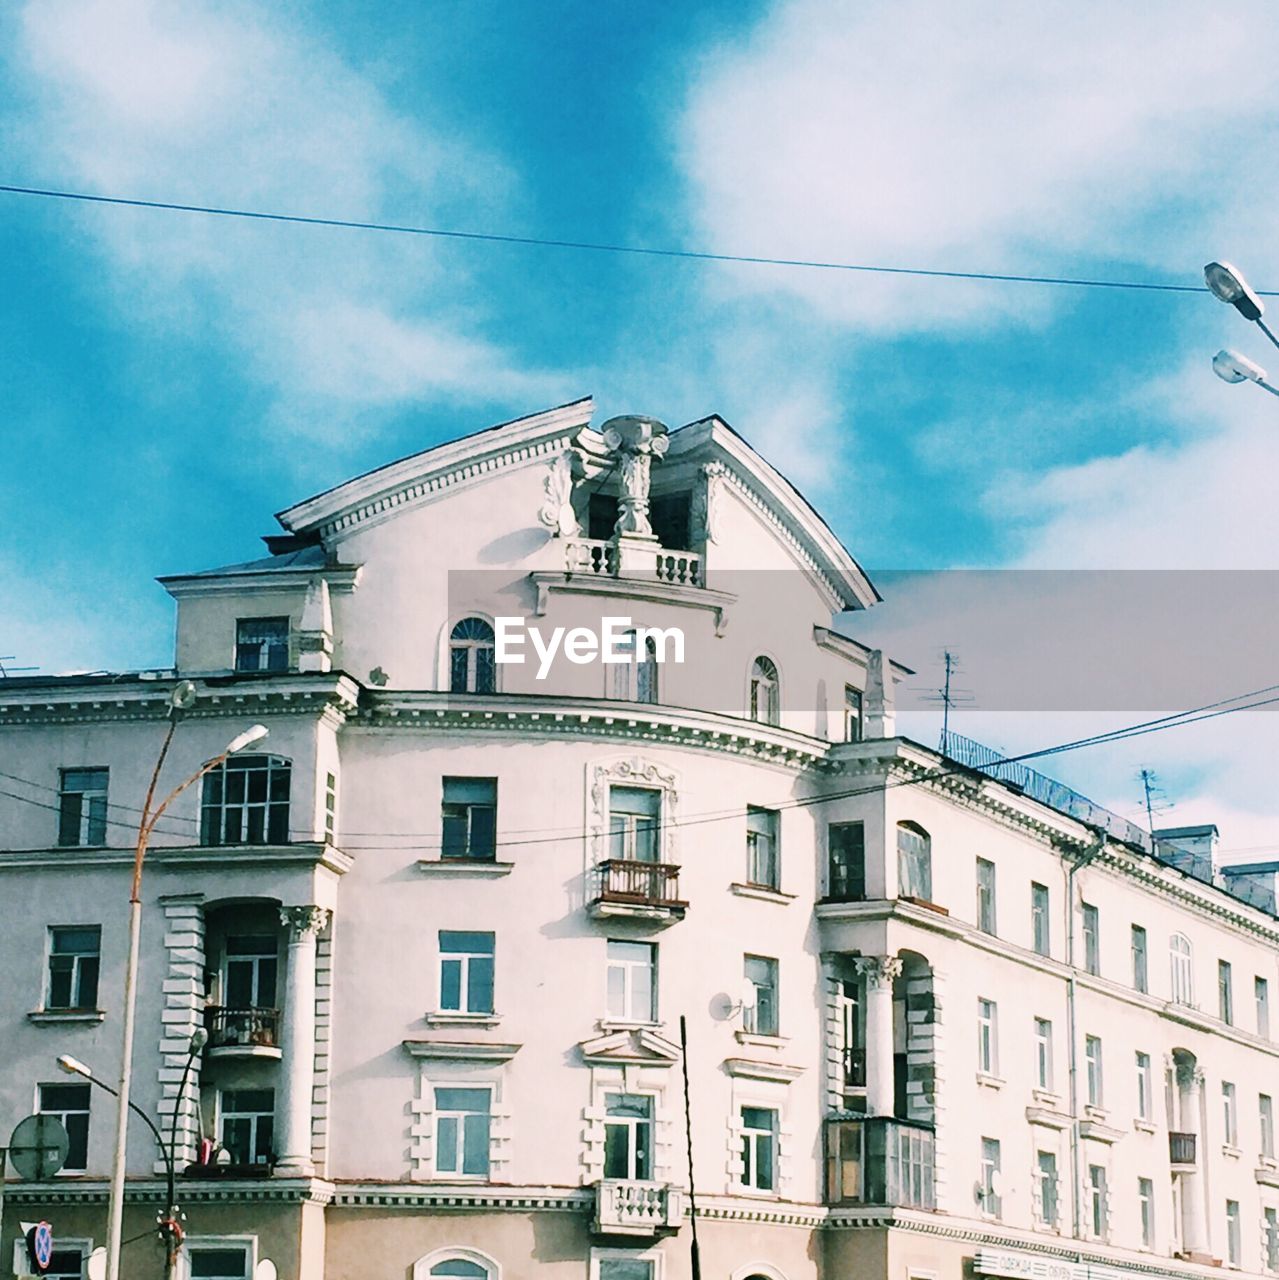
(596, 246)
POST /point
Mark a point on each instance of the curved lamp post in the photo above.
(180, 701)
(1226, 283)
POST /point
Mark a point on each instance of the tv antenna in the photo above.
(1154, 797)
(949, 696)
(6, 671)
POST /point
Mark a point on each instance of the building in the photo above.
(442, 925)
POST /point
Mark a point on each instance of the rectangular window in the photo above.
(1145, 1098)
(1140, 966)
(74, 956)
(625, 1269)
(987, 1037)
(463, 1123)
(852, 1008)
(246, 801)
(218, 1261)
(763, 865)
(1261, 995)
(1092, 1055)
(262, 644)
(1040, 920)
(252, 967)
(1046, 1176)
(985, 895)
(1225, 992)
(634, 823)
(846, 846)
(66, 1264)
(330, 806)
(466, 971)
(70, 1104)
(1266, 1115)
(1092, 939)
(628, 1136)
(914, 864)
(1230, 1113)
(1097, 1206)
(247, 1124)
(1271, 1239)
(1234, 1238)
(82, 808)
(852, 714)
(469, 817)
(1043, 1054)
(761, 1018)
(990, 1204)
(1146, 1204)
(632, 981)
(759, 1148)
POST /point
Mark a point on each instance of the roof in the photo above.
(314, 557)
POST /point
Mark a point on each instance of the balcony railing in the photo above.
(1181, 1148)
(599, 556)
(242, 1028)
(630, 882)
(636, 1208)
(880, 1160)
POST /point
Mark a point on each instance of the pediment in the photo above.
(633, 1045)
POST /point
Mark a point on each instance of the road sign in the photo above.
(40, 1247)
(39, 1147)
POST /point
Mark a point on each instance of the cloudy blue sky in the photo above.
(169, 380)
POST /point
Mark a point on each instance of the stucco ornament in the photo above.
(704, 517)
(557, 512)
(635, 442)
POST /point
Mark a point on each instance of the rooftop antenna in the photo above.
(6, 671)
(949, 696)
(1155, 798)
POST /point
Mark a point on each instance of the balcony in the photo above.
(1181, 1151)
(593, 556)
(879, 1160)
(628, 1208)
(242, 1033)
(641, 890)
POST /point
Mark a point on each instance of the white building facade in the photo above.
(442, 925)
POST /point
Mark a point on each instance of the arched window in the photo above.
(471, 667)
(914, 862)
(460, 1267)
(456, 1264)
(245, 800)
(1183, 977)
(765, 687)
(635, 680)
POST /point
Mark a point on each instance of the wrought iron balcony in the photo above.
(627, 886)
(629, 1208)
(243, 1032)
(880, 1160)
(1181, 1149)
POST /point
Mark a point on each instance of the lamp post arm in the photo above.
(1265, 328)
(137, 1111)
(145, 834)
(144, 827)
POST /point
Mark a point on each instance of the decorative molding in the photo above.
(460, 1051)
(65, 1017)
(74, 1191)
(557, 512)
(652, 590)
(451, 1018)
(752, 1069)
(635, 772)
(341, 579)
(459, 868)
(463, 1196)
(1098, 1132)
(636, 1045)
(1047, 1118)
(762, 893)
(879, 971)
(304, 922)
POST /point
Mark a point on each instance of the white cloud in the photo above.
(1003, 136)
(228, 104)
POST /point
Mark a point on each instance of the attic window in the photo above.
(262, 644)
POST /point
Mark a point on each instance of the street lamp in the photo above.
(1227, 283)
(180, 700)
(1230, 366)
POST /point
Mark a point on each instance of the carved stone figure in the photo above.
(636, 442)
(704, 517)
(557, 512)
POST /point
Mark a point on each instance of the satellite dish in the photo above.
(996, 1183)
(265, 1270)
(38, 1147)
(95, 1265)
(749, 997)
(183, 696)
(722, 1007)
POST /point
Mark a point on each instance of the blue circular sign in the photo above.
(40, 1246)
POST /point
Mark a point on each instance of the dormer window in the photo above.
(262, 644)
(471, 668)
(765, 692)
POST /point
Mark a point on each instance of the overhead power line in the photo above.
(599, 246)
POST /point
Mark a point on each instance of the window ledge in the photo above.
(455, 1018)
(483, 867)
(1096, 1113)
(762, 892)
(760, 1041)
(987, 1081)
(1230, 1151)
(628, 1024)
(1046, 1098)
(60, 1017)
(1144, 1126)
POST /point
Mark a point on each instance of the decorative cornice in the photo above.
(637, 1045)
(190, 1191)
(435, 1196)
(460, 1051)
(654, 590)
(753, 1069)
(310, 853)
(342, 579)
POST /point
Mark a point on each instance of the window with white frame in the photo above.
(463, 1129)
(460, 1269)
(330, 806)
(1270, 1238)
(468, 819)
(218, 1260)
(1043, 1054)
(471, 657)
(1266, 1117)
(1234, 1236)
(250, 971)
(1181, 960)
(67, 1262)
(622, 1266)
(1229, 1114)
(70, 1104)
(1146, 1208)
(763, 865)
(989, 1171)
(1092, 938)
(914, 862)
(632, 981)
(987, 1037)
(245, 800)
(1046, 1185)
(765, 692)
(74, 955)
(262, 644)
(1225, 992)
(1040, 920)
(985, 895)
(628, 1136)
(846, 856)
(634, 677)
(761, 1016)
(634, 823)
(852, 714)
(1140, 959)
(82, 807)
(1092, 1059)
(466, 971)
(759, 1148)
(1145, 1087)
(1261, 997)
(1097, 1201)
(852, 1021)
(247, 1124)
